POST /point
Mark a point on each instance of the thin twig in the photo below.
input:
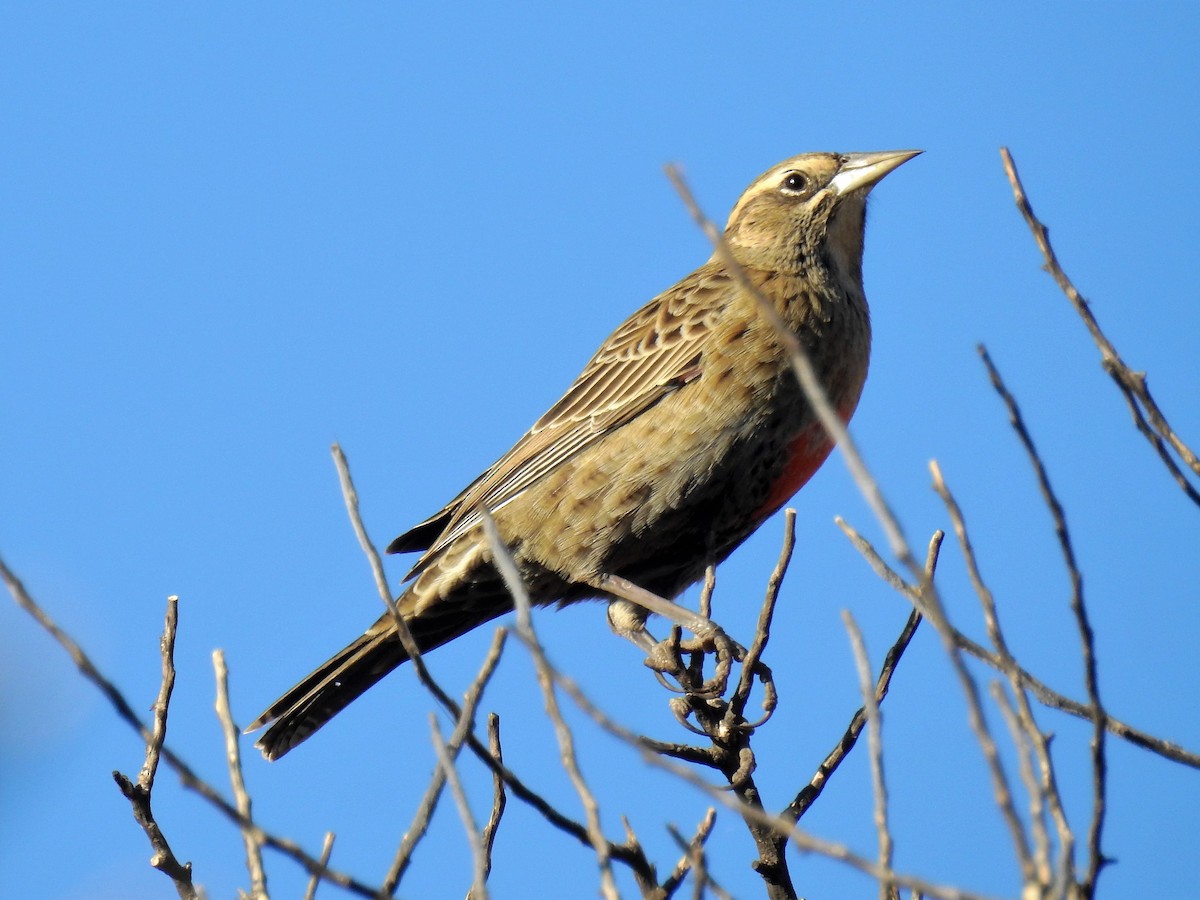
(1040, 834)
(139, 794)
(1001, 789)
(694, 861)
(1132, 384)
(407, 641)
(350, 497)
(163, 702)
(498, 795)
(464, 724)
(1045, 694)
(1024, 712)
(648, 888)
(887, 887)
(326, 850)
(1025, 718)
(233, 757)
(762, 633)
(187, 776)
(630, 857)
(478, 889)
(811, 791)
(1096, 858)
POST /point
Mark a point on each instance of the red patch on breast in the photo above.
(805, 453)
(804, 456)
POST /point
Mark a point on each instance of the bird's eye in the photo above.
(794, 183)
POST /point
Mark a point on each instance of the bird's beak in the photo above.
(860, 171)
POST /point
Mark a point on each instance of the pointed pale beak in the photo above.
(861, 171)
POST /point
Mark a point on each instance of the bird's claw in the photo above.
(666, 658)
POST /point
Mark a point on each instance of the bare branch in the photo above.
(1033, 786)
(1096, 858)
(762, 633)
(694, 861)
(464, 725)
(251, 837)
(187, 775)
(1045, 695)
(498, 795)
(1131, 384)
(1001, 788)
(887, 887)
(626, 855)
(808, 795)
(350, 497)
(478, 889)
(1024, 713)
(310, 891)
(161, 705)
(139, 794)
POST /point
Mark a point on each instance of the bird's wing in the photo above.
(655, 351)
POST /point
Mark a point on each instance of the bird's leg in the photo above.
(627, 616)
(625, 590)
(629, 621)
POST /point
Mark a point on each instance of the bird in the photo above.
(683, 433)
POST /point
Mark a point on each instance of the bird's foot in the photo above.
(627, 617)
(705, 705)
(667, 658)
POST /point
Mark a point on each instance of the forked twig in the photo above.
(478, 889)
(1046, 695)
(187, 775)
(464, 725)
(138, 794)
(811, 791)
(523, 792)
(693, 861)
(1133, 385)
(1096, 858)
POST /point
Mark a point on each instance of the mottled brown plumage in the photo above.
(681, 435)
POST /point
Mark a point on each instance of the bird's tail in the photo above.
(350, 672)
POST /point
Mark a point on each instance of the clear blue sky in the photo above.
(232, 235)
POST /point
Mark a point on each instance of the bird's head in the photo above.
(808, 211)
